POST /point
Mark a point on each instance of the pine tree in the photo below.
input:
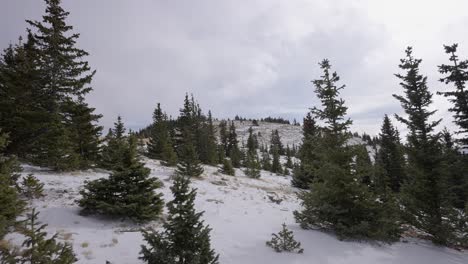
(251, 144)
(284, 241)
(228, 168)
(208, 154)
(363, 165)
(252, 165)
(338, 200)
(289, 164)
(159, 134)
(266, 161)
(85, 133)
(65, 77)
(305, 172)
(22, 101)
(116, 145)
(185, 238)
(31, 187)
(36, 248)
(233, 148)
(425, 195)
(169, 156)
(457, 167)
(223, 136)
(276, 165)
(275, 141)
(127, 193)
(11, 204)
(390, 155)
(189, 165)
(457, 73)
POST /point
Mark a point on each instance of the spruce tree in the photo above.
(189, 164)
(37, 248)
(115, 146)
(266, 161)
(390, 155)
(457, 74)
(275, 141)
(337, 199)
(304, 173)
(11, 205)
(223, 136)
(228, 168)
(425, 196)
(31, 187)
(251, 146)
(22, 100)
(457, 167)
(252, 165)
(65, 78)
(362, 165)
(232, 147)
(284, 241)
(159, 134)
(276, 165)
(208, 151)
(85, 133)
(289, 164)
(169, 156)
(185, 238)
(129, 192)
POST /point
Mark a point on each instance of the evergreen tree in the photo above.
(289, 164)
(116, 145)
(284, 241)
(266, 161)
(304, 173)
(228, 168)
(251, 146)
(185, 238)
(208, 154)
(363, 165)
(65, 77)
(457, 167)
(31, 187)
(275, 141)
(36, 248)
(85, 133)
(252, 165)
(169, 156)
(189, 164)
(127, 193)
(159, 134)
(457, 73)
(233, 148)
(223, 136)
(276, 165)
(425, 196)
(11, 206)
(22, 101)
(390, 155)
(338, 200)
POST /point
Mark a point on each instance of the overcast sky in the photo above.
(254, 58)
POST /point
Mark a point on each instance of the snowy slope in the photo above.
(240, 213)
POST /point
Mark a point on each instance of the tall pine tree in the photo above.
(338, 200)
(457, 74)
(425, 195)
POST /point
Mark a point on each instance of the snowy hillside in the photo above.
(238, 209)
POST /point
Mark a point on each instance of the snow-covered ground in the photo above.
(239, 211)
